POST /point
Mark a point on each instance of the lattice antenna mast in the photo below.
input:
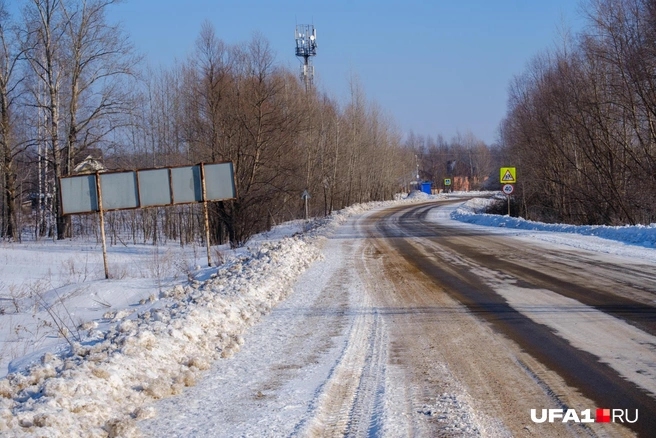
(306, 48)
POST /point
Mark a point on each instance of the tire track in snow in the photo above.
(351, 403)
(347, 403)
(365, 416)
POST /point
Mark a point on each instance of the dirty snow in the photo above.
(104, 383)
(625, 348)
(84, 356)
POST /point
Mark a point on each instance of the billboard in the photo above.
(81, 194)
(142, 188)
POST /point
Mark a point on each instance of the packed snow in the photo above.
(102, 384)
(84, 356)
(627, 348)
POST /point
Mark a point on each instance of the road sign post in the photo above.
(508, 177)
(508, 189)
(306, 196)
(101, 216)
(206, 214)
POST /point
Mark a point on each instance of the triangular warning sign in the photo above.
(508, 176)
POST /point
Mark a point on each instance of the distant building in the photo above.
(89, 165)
(461, 178)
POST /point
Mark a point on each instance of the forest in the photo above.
(72, 86)
(581, 121)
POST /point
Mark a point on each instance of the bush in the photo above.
(500, 207)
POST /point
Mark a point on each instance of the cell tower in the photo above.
(306, 47)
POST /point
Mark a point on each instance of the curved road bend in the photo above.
(471, 266)
(410, 327)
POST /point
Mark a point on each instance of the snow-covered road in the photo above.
(333, 360)
(395, 322)
(369, 345)
(316, 366)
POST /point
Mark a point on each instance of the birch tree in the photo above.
(10, 147)
(43, 33)
(82, 67)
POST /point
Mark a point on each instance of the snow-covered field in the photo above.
(84, 356)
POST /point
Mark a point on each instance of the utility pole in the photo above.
(417, 164)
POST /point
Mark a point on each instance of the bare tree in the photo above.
(83, 65)
(99, 66)
(42, 41)
(582, 120)
(10, 147)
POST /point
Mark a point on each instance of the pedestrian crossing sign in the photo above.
(447, 181)
(508, 175)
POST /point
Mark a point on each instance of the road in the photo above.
(414, 327)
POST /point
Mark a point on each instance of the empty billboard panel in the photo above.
(78, 194)
(119, 190)
(186, 184)
(219, 181)
(154, 187)
(147, 188)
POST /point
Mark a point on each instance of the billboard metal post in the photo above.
(101, 216)
(206, 213)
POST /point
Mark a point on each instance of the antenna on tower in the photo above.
(306, 47)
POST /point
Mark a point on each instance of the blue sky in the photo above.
(438, 67)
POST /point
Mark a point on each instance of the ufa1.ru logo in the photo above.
(567, 415)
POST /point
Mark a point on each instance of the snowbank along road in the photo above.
(410, 326)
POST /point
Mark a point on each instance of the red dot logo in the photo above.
(603, 416)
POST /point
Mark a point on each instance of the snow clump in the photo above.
(101, 387)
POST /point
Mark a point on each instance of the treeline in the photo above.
(464, 156)
(581, 125)
(71, 86)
